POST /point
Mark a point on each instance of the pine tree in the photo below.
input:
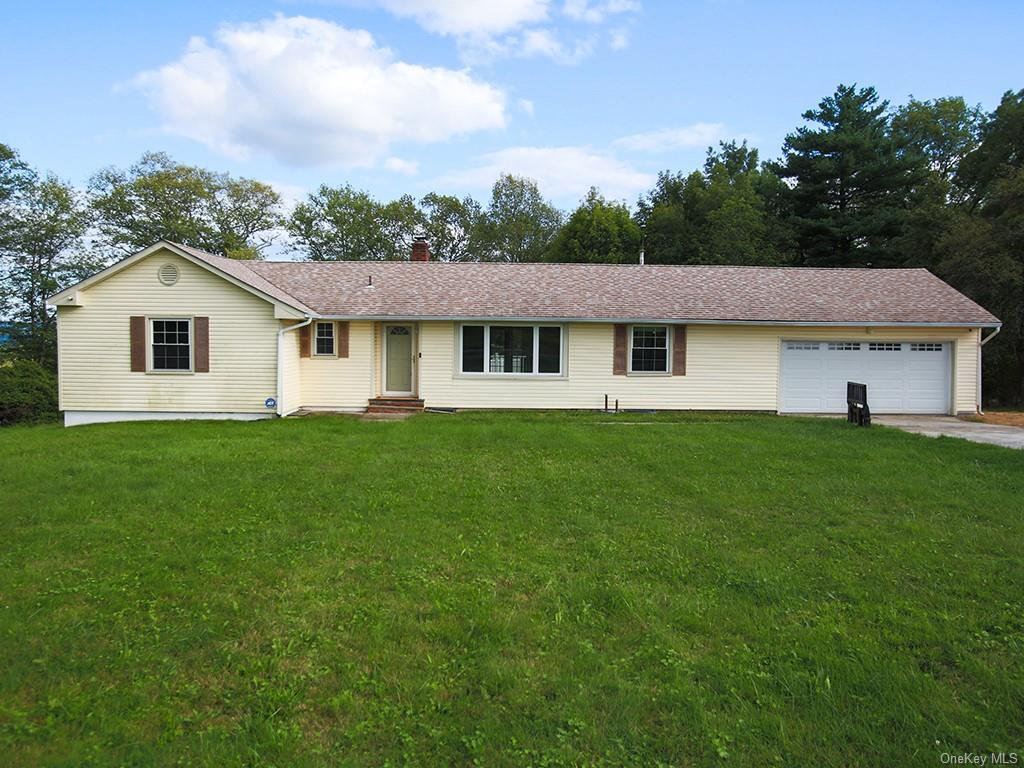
(852, 181)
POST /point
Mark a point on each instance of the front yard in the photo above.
(501, 589)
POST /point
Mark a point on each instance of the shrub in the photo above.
(28, 392)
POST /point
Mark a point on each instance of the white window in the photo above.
(884, 346)
(926, 347)
(648, 349)
(324, 342)
(843, 346)
(171, 344)
(525, 350)
(806, 346)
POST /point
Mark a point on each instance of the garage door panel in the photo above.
(902, 377)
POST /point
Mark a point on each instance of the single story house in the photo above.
(172, 332)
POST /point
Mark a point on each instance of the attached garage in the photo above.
(902, 377)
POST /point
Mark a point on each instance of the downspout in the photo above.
(280, 370)
(983, 342)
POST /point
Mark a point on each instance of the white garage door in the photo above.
(902, 377)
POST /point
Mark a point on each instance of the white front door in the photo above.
(902, 377)
(399, 359)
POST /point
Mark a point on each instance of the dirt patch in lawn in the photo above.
(1006, 418)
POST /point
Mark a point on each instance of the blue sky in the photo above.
(416, 95)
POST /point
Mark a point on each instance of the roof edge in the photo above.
(186, 254)
(665, 321)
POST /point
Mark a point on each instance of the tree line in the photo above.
(861, 182)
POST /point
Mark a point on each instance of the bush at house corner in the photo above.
(28, 392)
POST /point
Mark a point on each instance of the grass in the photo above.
(508, 589)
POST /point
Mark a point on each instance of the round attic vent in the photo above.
(168, 274)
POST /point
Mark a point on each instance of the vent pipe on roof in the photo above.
(420, 249)
(641, 255)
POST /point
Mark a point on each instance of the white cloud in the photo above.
(619, 39)
(688, 137)
(564, 173)
(526, 107)
(398, 165)
(487, 31)
(311, 92)
(469, 17)
(597, 12)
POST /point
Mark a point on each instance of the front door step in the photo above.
(394, 405)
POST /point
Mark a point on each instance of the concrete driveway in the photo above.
(933, 426)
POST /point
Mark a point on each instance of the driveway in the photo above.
(933, 426)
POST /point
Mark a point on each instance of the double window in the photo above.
(648, 352)
(524, 350)
(324, 342)
(171, 342)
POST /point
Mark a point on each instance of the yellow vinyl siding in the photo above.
(94, 343)
(341, 382)
(728, 367)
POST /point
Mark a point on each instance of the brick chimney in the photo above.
(420, 249)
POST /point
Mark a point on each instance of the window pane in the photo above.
(550, 350)
(650, 348)
(511, 349)
(473, 348)
(325, 338)
(171, 341)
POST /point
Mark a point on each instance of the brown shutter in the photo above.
(342, 338)
(201, 338)
(619, 351)
(679, 350)
(138, 343)
(304, 341)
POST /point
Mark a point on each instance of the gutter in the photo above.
(280, 372)
(981, 344)
(650, 320)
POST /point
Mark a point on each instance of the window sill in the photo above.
(649, 374)
(324, 357)
(169, 373)
(513, 376)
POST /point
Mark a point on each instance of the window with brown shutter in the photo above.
(201, 338)
(304, 344)
(619, 351)
(343, 339)
(679, 351)
(137, 325)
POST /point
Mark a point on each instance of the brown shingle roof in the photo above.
(403, 289)
(239, 269)
(621, 292)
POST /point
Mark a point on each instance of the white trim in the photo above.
(191, 345)
(334, 339)
(668, 350)
(536, 374)
(78, 418)
(411, 392)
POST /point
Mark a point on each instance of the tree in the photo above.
(519, 224)
(724, 215)
(451, 226)
(852, 180)
(346, 224)
(43, 223)
(981, 247)
(158, 199)
(597, 231)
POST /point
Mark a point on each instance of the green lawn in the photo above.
(501, 589)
